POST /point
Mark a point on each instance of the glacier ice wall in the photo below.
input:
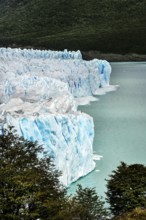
(67, 138)
(83, 78)
(37, 91)
(43, 54)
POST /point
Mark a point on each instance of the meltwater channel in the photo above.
(120, 124)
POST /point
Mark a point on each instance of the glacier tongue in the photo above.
(37, 96)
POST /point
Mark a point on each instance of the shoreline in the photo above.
(112, 57)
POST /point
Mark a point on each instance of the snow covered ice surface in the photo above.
(37, 96)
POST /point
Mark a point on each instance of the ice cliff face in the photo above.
(37, 90)
(83, 78)
(68, 138)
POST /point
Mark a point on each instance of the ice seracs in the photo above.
(43, 54)
(84, 78)
(37, 96)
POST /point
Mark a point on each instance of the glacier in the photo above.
(38, 91)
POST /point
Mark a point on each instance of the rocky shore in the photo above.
(89, 55)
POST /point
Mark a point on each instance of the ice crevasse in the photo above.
(37, 96)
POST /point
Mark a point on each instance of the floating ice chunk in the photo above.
(97, 157)
(86, 100)
(97, 170)
(104, 90)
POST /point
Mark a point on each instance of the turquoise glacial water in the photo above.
(120, 124)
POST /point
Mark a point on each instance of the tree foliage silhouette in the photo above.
(29, 185)
(127, 188)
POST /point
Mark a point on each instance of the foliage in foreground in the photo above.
(136, 214)
(30, 187)
(126, 188)
(85, 205)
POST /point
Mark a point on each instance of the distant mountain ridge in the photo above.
(117, 26)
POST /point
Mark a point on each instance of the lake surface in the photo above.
(120, 124)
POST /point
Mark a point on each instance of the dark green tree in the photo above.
(29, 186)
(126, 188)
(85, 205)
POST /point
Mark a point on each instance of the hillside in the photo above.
(117, 26)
